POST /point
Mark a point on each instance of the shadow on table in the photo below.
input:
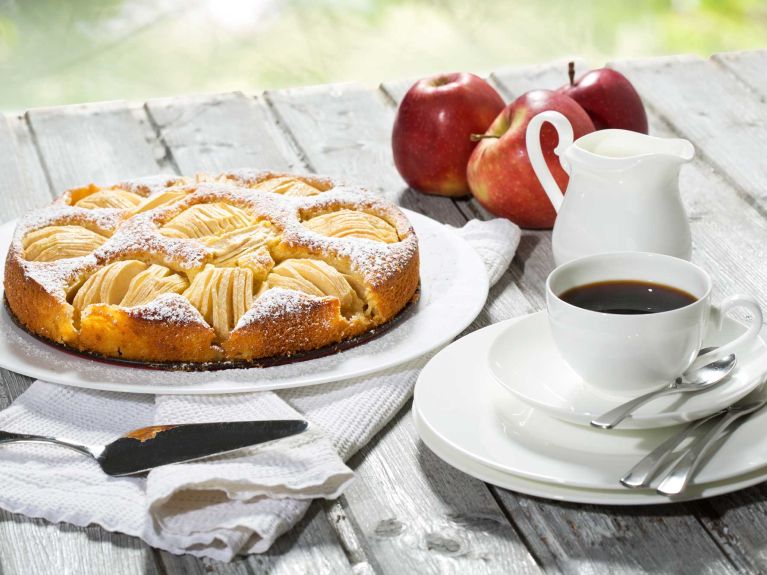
(63, 546)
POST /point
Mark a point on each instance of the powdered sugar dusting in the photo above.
(275, 303)
(57, 276)
(149, 185)
(169, 308)
(447, 304)
(139, 236)
(103, 221)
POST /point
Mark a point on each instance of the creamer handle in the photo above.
(534, 152)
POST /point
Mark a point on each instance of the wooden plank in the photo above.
(344, 131)
(350, 536)
(729, 242)
(406, 526)
(221, 132)
(515, 81)
(34, 545)
(99, 143)
(244, 136)
(737, 523)
(22, 181)
(703, 103)
(420, 515)
(189, 565)
(749, 67)
(573, 538)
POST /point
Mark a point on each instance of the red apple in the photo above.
(499, 172)
(430, 139)
(609, 99)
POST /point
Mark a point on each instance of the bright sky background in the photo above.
(67, 51)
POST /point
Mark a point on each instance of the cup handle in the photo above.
(534, 152)
(718, 313)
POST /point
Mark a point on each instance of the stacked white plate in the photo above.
(501, 405)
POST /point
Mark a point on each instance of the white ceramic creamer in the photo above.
(623, 193)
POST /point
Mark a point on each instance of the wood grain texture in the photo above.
(706, 105)
(406, 527)
(350, 536)
(245, 136)
(515, 81)
(344, 131)
(728, 236)
(749, 67)
(34, 545)
(573, 538)
(420, 515)
(22, 181)
(220, 132)
(101, 143)
(23, 187)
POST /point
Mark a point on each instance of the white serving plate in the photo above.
(471, 415)
(559, 492)
(524, 360)
(453, 291)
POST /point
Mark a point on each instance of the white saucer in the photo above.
(449, 302)
(524, 359)
(559, 492)
(459, 401)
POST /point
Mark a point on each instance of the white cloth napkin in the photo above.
(225, 505)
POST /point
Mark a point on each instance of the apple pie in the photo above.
(211, 269)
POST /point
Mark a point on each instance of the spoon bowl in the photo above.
(707, 375)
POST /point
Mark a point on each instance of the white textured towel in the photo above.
(222, 506)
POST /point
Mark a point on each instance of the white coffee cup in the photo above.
(625, 353)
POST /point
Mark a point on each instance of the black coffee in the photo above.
(627, 297)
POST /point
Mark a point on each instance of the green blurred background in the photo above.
(66, 51)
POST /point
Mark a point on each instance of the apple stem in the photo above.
(571, 72)
(478, 137)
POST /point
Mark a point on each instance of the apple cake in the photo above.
(212, 269)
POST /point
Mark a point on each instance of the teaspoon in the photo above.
(701, 379)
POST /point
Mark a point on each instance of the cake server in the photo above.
(143, 449)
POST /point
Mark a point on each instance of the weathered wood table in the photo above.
(410, 512)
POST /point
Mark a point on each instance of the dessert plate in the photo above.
(459, 401)
(524, 360)
(448, 303)
(560, 492)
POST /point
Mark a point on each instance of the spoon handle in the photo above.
(8, 437)
(643, 472)
(677, 479)
(616, 415)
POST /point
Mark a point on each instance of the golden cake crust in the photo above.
(214, 268)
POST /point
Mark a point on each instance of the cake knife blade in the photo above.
(143, 449)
